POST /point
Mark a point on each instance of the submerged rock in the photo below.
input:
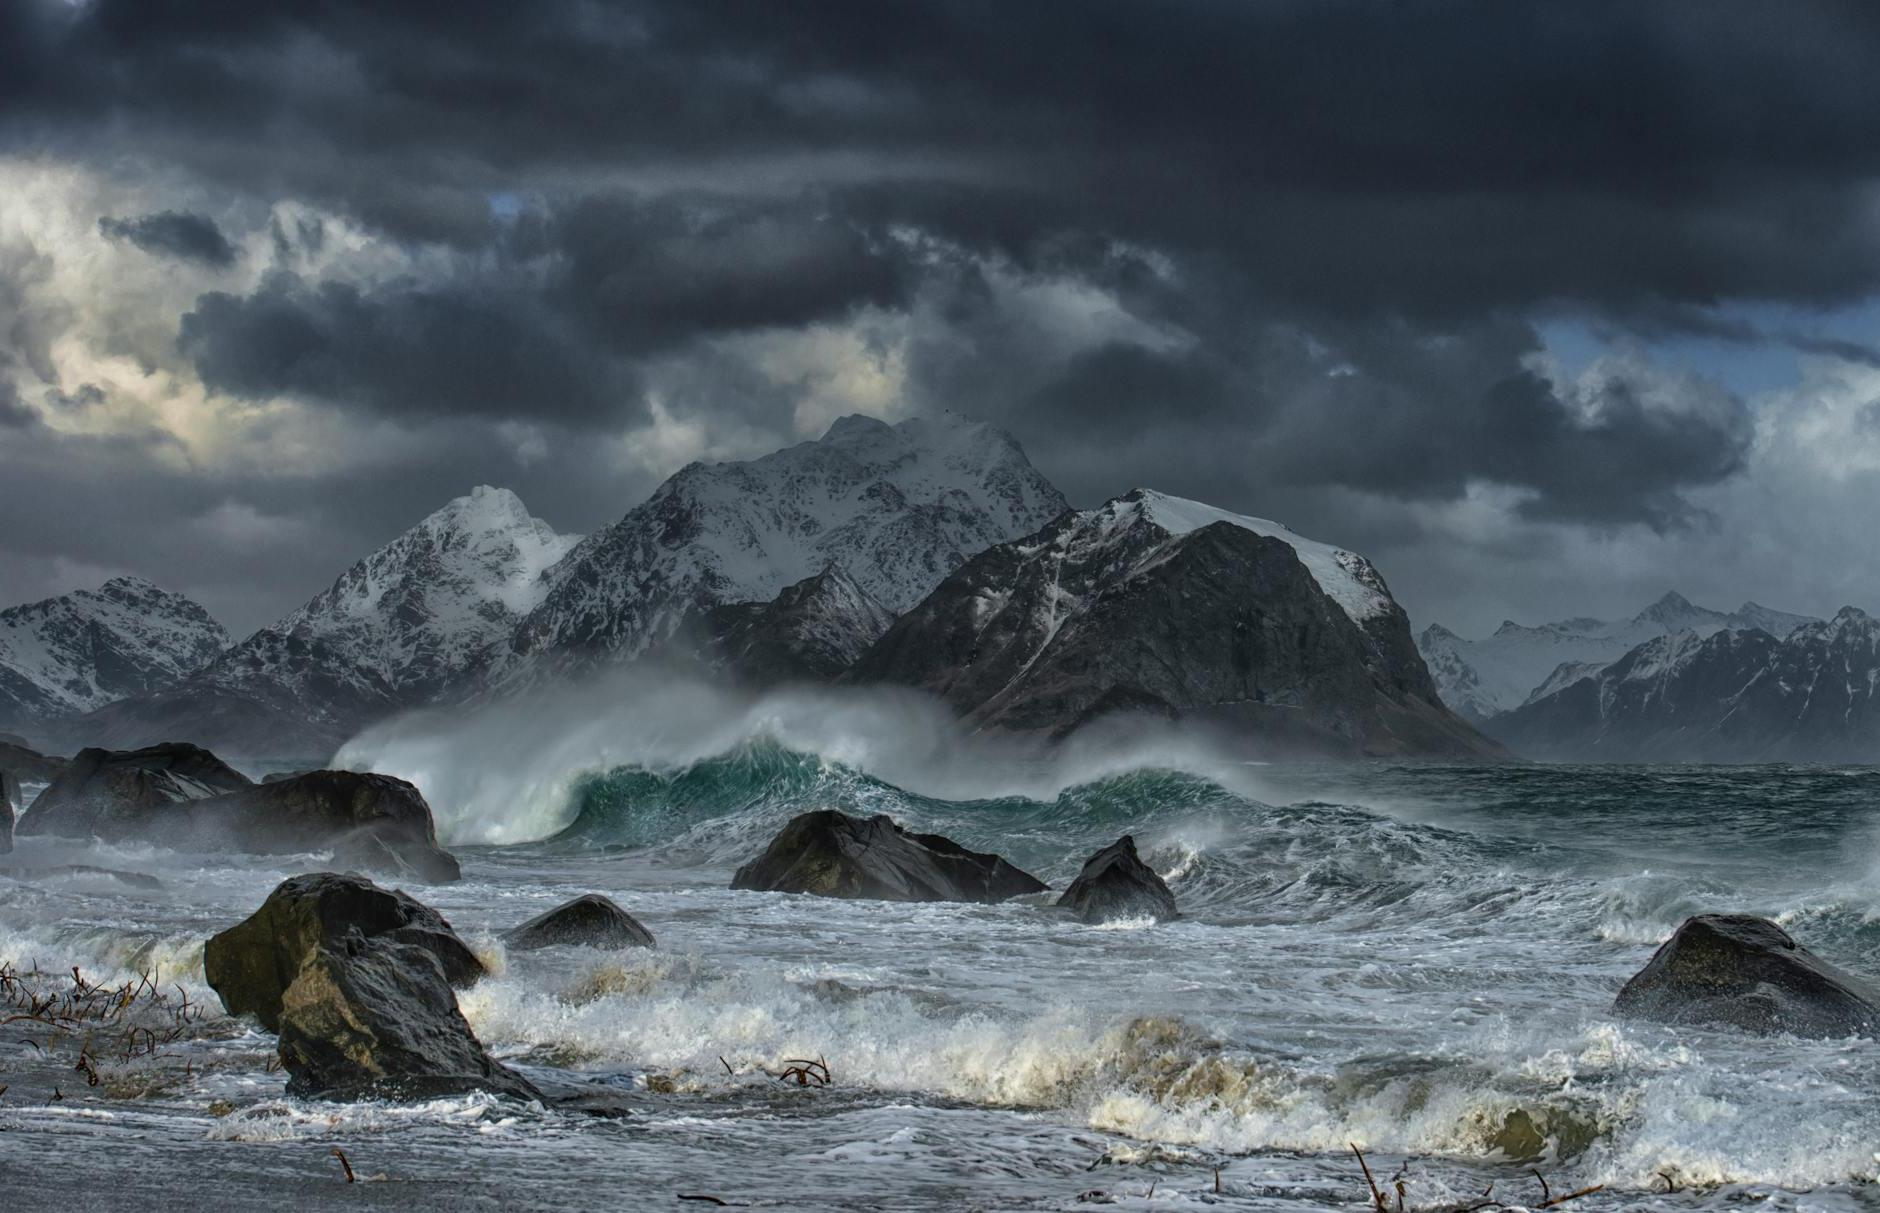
(592, 921)
(120, 794)
(1740, 971)
(252, 963)
(136, 880)
(1116, 884)
(832, 854)
(357, 982)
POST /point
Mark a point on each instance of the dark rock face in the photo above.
(185, 796)
(1739, 971)
(1733, 696)
(29, 765)
(373, 822)
(832, 854)
(592, 921)
(376, 1019)
(811, 632)
(116, 794)
(1121, 609)
(1116, 884)
(252, 963)
(357, 982)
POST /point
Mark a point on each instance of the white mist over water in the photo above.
(503, 773)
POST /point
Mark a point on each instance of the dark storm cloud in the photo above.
(1342, 218)
(406, 350)
(182, 234)
(647, 275)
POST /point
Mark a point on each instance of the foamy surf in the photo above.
(1433, 985)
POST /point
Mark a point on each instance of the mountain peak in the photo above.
(82, 650)
(856, 426)
(898, 507)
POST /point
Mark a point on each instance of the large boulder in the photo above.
(1736, 970)
(832, 854)
(182, 795)
(374, 823)
(592, 921)
(27, 764)
(253, 962)
(357, 982)
(1116, 884)
(120, 794)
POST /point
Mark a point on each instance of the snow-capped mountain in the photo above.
(86, 649)
(897, 508)
(811, 632)
(1734, 695)
(1481, 678)
(1153, 603)
(413, 623)
(415, 617)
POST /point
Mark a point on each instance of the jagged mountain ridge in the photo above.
(897, 507)
(412, 620)
(1734, 695)
(1482, 678)
(1153, 603)
(85, 649)
(410, 625)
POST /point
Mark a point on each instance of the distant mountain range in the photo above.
(1483, 678)
(932, 554)
(1739, 695)
(929, 553)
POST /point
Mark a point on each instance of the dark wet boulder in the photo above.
(592, 921)
(356, 980)
(1736, 970)
(121, 794)
(254, 961)
(27, 764)
(374, 823)
(376, 1019)
(182, 796)
(831, 854)
(1116, 884)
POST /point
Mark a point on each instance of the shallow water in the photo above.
(1419, 960)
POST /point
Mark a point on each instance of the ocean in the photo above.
(1415, 960)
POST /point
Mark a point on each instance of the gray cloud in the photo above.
(1322, 232)
(183, 234)
(406, 350)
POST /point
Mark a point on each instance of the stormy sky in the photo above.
(1546, 307)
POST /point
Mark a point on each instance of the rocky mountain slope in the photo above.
(1730, 696)
(1482, 678)
(897, 508)
(1153, 603)
(409, 625)
(811, 632)
(86, 649)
